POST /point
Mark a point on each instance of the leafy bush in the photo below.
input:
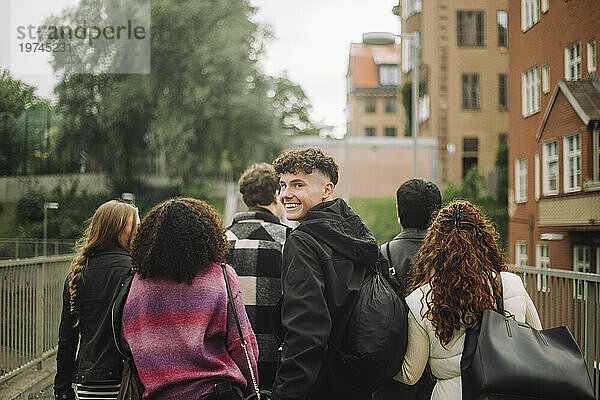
(380, 216)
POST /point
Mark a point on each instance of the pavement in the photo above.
(31, 383)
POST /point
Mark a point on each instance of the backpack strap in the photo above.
(391, 269)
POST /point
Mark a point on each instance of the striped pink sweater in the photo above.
(183, 337)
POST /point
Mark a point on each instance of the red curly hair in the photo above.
(461, 261)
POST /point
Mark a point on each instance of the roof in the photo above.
(584, 97)
(364, 59)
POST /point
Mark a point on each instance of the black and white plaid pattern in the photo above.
(256, 241)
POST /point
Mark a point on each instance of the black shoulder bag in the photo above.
(504, 358)
(258, 394)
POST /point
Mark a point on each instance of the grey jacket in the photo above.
(402, 250)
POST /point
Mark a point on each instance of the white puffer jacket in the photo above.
(445, 360)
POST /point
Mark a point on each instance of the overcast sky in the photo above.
(312, 40)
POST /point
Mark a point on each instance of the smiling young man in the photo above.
(323, 267)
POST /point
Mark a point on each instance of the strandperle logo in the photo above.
(90, 36)
(82, 32)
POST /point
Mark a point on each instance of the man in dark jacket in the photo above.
(416, 200)
(256, 239)
(323, 267)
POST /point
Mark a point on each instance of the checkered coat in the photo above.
(256, 241)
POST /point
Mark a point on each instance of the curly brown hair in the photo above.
(258, 184)
(176, 239)
(307, 160)
(462, 264)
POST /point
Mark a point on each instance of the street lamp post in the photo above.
(383, 38)
(51, 206)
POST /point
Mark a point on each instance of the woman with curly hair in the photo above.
(459, 272)
(177, 320)
(101, 264)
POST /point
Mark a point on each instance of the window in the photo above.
(470, 92)
(530, 88)
(410, 7)
(546, 78)
(596, 161)
(530, 13)
(502, 18)
(550, 171)
(370, 105)
(424, 108)
(591, 55)
(581, 263)
(545, 6)
(521, 254)
(369, 131)
(390, 105)
(470, 28)
(468, 163)
(573, 62)
(503, 92)
(537, 176)
(521, 179)
(470, 145)
(542, 260)
(390, 131)
(572, 159)
(389, 75)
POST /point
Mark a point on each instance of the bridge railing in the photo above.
(14, 248)
(30, 307)
(568, 298)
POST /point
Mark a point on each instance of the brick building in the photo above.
(463, 79)
(373, 104)
(554, 179)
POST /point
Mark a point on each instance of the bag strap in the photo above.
(239, 327)
(501, 294)
(391, 269)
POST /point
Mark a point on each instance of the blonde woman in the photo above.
(102, 262)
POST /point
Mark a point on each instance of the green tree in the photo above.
(16, 97)
(205, 107)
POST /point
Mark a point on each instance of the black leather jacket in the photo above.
(323, 266)
(97, 359)
(402, 250)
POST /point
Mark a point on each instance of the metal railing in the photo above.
(14, 248)
(572, 299)
(30, 306)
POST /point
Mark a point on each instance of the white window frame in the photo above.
(596, 155)
(545, 6)
(530, 91)
(546, 78)
(573, 62)
(546, 160)
(530, 13)
(537, 176)
(410, 8)
(521, 180)
(407, 53)
(521, 253)
(542, 262)
(591, 55)
(581, 265)
(389, 75)
(572, 163)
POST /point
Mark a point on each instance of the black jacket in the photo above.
(97, 359)
(402, 250)
(324, 264)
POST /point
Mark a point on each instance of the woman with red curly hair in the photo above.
(459, 272)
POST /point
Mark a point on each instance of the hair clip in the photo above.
(457, 214)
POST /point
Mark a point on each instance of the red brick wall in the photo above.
(542, 44)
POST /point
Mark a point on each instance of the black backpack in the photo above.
(377, 332)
